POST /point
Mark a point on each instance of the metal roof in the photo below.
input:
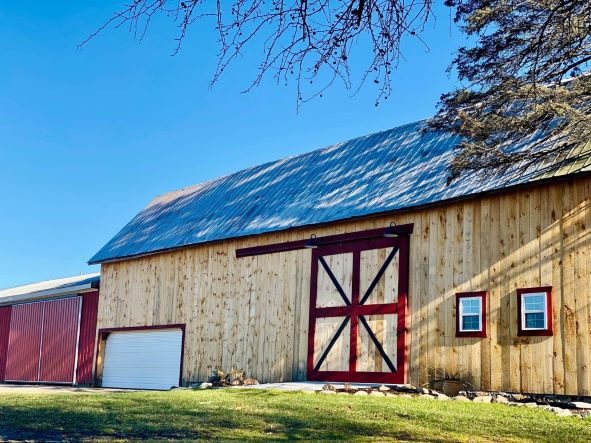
(399, 168)
(50, 288)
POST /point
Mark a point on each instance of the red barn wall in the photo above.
(5, 312)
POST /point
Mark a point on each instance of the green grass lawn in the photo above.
(231, 414)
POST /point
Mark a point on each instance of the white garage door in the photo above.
(143, 359)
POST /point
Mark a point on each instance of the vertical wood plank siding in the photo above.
(87, 338)
(252, 312)
(4, 334)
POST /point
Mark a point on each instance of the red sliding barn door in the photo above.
(59, 340)
(358, 304)
(24, 342)
(42, 343)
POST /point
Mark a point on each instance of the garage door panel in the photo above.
(143, 359)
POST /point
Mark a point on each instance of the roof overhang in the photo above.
(50, 293)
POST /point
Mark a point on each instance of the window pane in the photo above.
(470, 323)
(535, 302)
(471, 306)
(535, 320)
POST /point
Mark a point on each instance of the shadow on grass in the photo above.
(255, 415)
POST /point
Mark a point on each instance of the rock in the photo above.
(442, 397)
(461, 398)
(360, 393)
(381, 394)
(428, 396)
(579, 405)
(501, 399)
(383, 388)
(483, 399)
(531, 405)
(546, 407)
(327, 392)
(406, 388)
(204, 385)
(562, 412)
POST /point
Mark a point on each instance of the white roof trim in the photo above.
(50, 293)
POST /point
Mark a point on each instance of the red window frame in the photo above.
(535, 332)
(461, 295)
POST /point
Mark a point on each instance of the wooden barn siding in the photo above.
(252, 313)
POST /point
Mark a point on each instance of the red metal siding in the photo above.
(59, 339)
(5, 312)
(24, 342)
(87, 340)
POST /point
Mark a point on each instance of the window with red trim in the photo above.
(471, 314)
(534, 311)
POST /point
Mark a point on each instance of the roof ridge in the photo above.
(270, 162)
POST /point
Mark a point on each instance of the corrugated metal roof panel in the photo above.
(48, 287)
(394, 169)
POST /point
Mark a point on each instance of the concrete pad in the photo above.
(308, 386)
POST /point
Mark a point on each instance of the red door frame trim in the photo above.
(400, 308)
(401, 230)
(103, 333)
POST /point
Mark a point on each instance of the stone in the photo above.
(461, 398)
(546, 407)
(531, 404)
(442, 397)
(428, 396)
(562, 412)
(502, 399)
(383, 388)
(483, 399)
(360, 393)
(406, 388)
(381, 394)
(579, 405)
(327, 392)
(204, 385)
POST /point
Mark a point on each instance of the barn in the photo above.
(48, 331)
(358, 262)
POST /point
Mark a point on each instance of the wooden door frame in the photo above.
(400, 308)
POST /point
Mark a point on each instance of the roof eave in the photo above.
(50, 293)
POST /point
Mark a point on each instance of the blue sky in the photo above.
(89, 136)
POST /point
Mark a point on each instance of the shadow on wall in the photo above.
(533, 238)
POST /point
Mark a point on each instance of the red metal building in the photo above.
(48, 331)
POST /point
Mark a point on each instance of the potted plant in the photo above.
(450, 383)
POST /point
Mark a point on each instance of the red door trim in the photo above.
(401, 230)
(355, 310)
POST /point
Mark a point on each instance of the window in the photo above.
(535, 311)
(471, 314)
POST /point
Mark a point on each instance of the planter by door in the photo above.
(358, 305)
